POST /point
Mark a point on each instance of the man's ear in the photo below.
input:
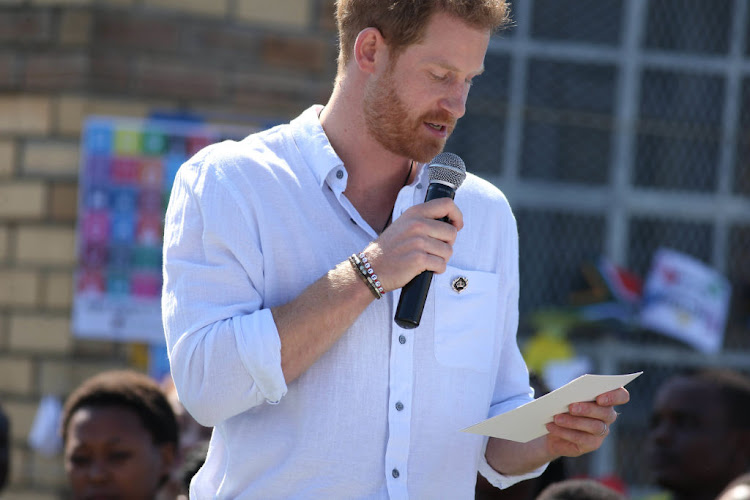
(369, 49)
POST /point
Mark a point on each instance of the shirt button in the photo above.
(399, 406)
(419, 186)
(395, 473)
(402, 339)
(340, 174)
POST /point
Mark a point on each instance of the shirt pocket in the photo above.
(465, 320)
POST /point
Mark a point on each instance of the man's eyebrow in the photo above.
(448, 66)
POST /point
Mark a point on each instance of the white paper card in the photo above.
(527, 422)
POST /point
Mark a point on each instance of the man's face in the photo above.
(413, 105)
(690, 446)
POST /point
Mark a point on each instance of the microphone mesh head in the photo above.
(447, 168)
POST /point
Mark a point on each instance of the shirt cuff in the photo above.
(500, 480)
(260, 351)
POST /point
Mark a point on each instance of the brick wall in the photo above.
(60, 61)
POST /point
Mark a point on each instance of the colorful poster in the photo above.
(687, 300)
(126, 175)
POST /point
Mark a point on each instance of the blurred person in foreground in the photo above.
(120, 437)
(276, 336)
(579, 489)
(699, 440)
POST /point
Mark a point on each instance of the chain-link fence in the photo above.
(615, 128)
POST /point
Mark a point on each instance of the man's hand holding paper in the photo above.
(570, 421)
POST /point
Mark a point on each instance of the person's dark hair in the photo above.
(579, 489)
(403, 23)
(194, 460)
(126, 389)
(734, 390)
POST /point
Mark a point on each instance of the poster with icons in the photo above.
(126, 175)
(686, 299)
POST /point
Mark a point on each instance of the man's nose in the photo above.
(455, 101)
(97, 471)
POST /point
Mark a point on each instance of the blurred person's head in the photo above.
(120, 436)
(4, 448)
(699, 439)
(579, 489)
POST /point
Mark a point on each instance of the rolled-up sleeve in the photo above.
(224, 348)
(512, 382)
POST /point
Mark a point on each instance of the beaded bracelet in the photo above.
(364, 268)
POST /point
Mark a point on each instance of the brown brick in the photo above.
(24, 114)
(51, 158)
(16, 375)
(44, 245)
(95, 348)
(26, 26)
(327, 16)
(111, 71)
(296, 53)
(22, 200)
(57, 290)
(73, 111)
(63, 202)
(8, 73)
(75, 27)
(119, 107)
(273, 94)
(18, 473)
(213, 8)
(48, 472)
(61, 377)
(21, 416)
(70, 113)
(48, 334)
(177, 80)
(131, 31)
(7, 158)
(4, 250)
(121, 3)
(29, 494)
(56, 71)
(295, 13)
(221, 41)
(19, 288)
(61, 2)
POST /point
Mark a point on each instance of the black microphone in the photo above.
(447, 171)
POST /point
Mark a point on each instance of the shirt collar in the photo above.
(316, 149)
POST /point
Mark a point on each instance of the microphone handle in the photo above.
(414, 293)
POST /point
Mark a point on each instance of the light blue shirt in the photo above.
(250, 224)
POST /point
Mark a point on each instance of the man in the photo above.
(275, 337)
(700, 435)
